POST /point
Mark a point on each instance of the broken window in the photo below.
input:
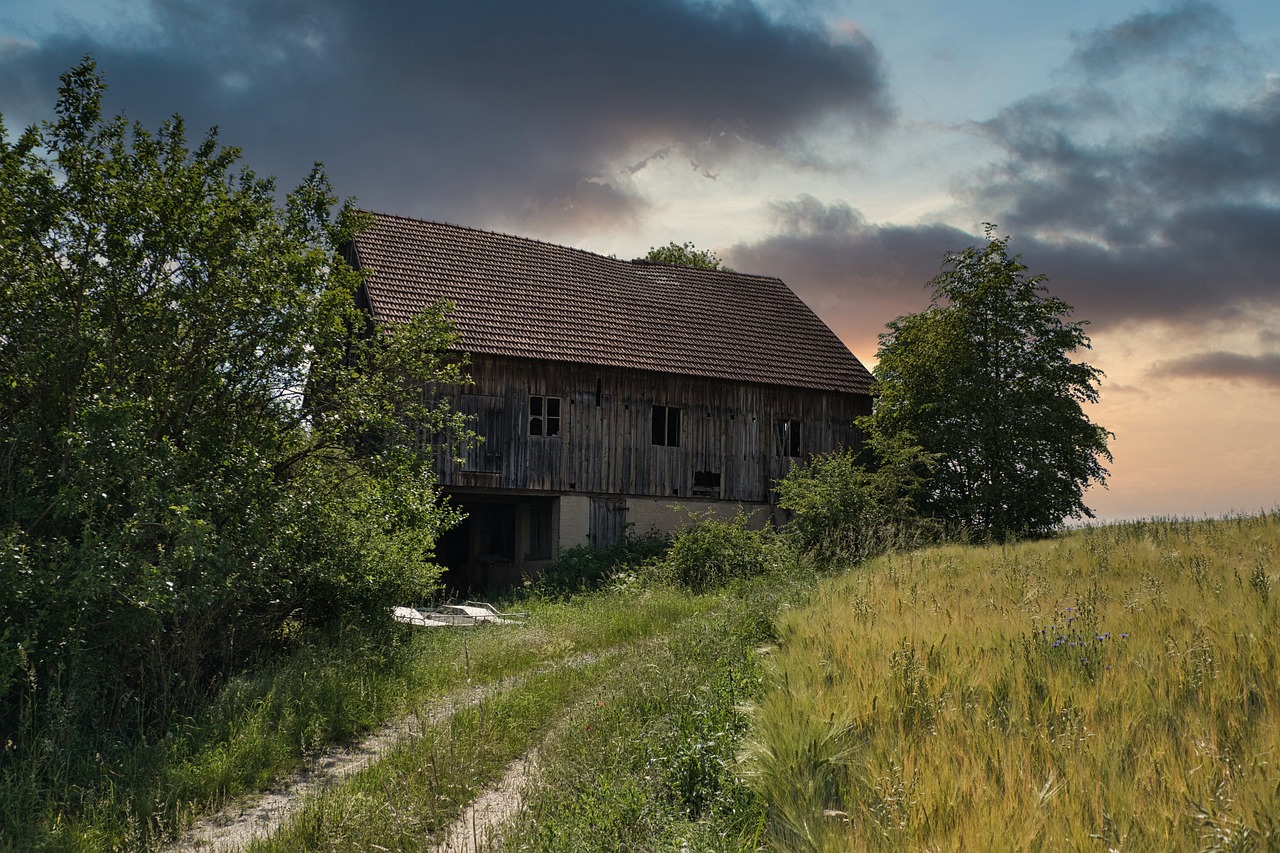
(544, 415)
(789, 435)
(666, 426)
(706, 484)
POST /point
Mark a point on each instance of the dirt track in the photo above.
(259, 816)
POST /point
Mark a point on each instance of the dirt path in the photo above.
(258, 816)
(476, 827)
(480, 823)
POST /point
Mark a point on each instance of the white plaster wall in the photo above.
(667, 515)
(575, 521)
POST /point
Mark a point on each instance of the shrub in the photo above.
(843, 511)
(711, 552)
(202, 453)
(584, 568)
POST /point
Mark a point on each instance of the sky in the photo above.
(1130, 150)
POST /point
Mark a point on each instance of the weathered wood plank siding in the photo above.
(605, 445)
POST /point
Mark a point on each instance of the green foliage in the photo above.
(584, 568)
(844, 511)
(983, 379)
(651, 763)
(203, 441)
(697, 758)
(685, 255)
(711, 552)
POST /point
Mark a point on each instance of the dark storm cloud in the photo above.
(1127, 190)
(1230, 366)
(1138, 203)
(858, 276)
(1176, 222)
(1157, 37)
(457, 110)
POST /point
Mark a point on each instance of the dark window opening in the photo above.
(599, 392)
(706, 484)
(666, 426)
(544, 415)
(789, 435)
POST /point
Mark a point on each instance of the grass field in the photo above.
(261, 727)
(1117, 688)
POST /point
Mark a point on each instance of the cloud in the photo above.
(1144, 189)
(1192, 35)
(855, 274)
(459, 110)
(1231, 366)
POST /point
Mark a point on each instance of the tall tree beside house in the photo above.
(168, 498)
(984, 379)
(685, 255)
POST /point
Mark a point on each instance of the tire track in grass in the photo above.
(482, 821)
(258, 816)
(484, 817)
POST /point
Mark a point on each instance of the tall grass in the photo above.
(271, 722)
(1114, 689)
(649, 761)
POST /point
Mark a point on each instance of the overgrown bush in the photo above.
(848, 505)
(206, 443)
(711, 552)
(584, 568)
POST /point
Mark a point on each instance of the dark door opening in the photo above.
(501, 539)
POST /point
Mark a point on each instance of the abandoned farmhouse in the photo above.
(609, 392)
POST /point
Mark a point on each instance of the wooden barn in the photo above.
(609, 392)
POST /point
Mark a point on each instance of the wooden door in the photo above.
(608, 521)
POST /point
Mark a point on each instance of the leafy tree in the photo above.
(685, 255)
(168, 498)
(984, 379)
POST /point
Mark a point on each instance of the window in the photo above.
(706, 484)
(666, 426)
(544, 415)
(789, 433)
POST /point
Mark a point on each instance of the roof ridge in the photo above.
(635, 262)
(531, 298)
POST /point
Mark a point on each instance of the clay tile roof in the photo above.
(514, 296)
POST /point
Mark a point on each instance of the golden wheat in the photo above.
(1112, 689)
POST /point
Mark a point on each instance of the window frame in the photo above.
(543, 423)
(665, 426)
(791, 438)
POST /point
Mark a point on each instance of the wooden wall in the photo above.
(605, 445)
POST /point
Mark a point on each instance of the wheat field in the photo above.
(1112, 689)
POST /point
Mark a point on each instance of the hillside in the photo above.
(1114, 688)
(1117, 688)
